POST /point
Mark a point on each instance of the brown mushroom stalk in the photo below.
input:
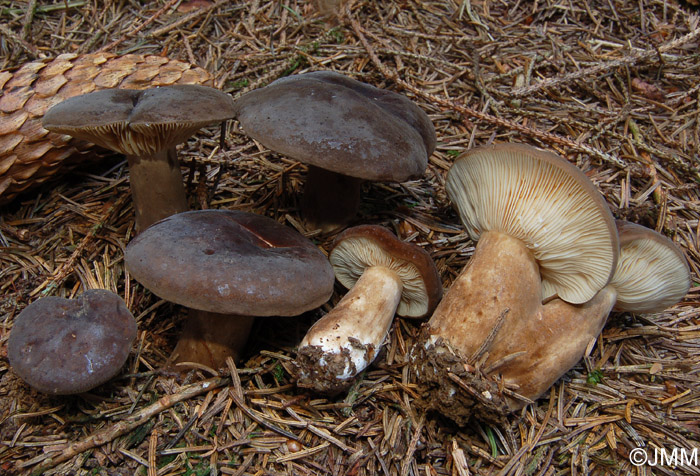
(547, 247)
(386, 277)
(330, 200)
(210, 337)
(157, 187)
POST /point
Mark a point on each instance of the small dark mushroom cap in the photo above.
(339, 124)
(139, 122)
(230, 262)
(65, 346)
(652, 274)
(363, 246)
(545, 202)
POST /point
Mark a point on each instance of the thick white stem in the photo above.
(347, 339)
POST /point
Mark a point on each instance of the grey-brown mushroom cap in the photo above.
(545, 202)
(364, 246)
(139, 122)
(66, 346)
(230, 262)
(339, 124)
(652, 273)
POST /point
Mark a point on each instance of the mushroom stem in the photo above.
(156, 187)
(347, 339)
(209, 338)
(330, 200)
(499, 286)
(522, 361)
(556, 342)
(502, 275)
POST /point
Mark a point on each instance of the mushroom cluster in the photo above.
(550, 262)
(538, 288)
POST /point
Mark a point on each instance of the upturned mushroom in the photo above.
(385, 276)
(346, 131)
(651, 275)
(66, 346)
(544, 233)
(145, 126)
(227, 267)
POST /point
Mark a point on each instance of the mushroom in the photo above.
(652, 273)
(227, 267)
(345, 131)
(66, 346)
(145, 126)
(544, 234)
(385, 276)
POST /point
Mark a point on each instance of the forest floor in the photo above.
(612, 86)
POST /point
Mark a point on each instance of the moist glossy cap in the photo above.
(652, 273)
(135, 122)
(549, 204)
(363, 246)
(337, 123)
(65, 346)
(230, 262)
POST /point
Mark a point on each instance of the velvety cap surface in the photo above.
(337, 123)
(547, 203)
(135, 122)
(64, 346)
(363, 246)
(652, 273)
(230, 262)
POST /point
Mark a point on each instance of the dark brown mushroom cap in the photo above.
(339, 124)
(65, 346)
(363, 246)
(652, 273)
(230, 262)
(139, 123)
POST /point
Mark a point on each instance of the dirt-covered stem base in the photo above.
(346, 340)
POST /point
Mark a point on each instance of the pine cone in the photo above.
(29, 154)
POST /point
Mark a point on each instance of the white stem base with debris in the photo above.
(347, 339)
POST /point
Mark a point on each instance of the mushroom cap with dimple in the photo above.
(547, 203)
(364, 246)
(65, 346)
(139, 122)
(339, 124)
(230, 262)
(652, 273)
